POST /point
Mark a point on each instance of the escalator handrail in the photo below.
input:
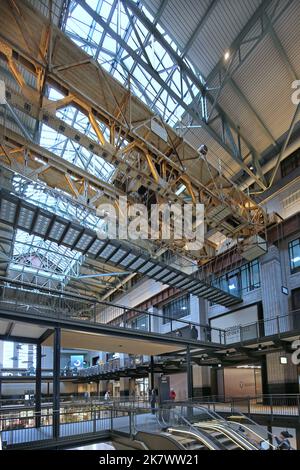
(228, 423)
(233, 435)
(191, 428)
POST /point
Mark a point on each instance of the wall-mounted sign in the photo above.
(284, 290)
(77, 361)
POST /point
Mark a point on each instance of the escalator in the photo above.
(211, 428)
(188, 427)
(226, 437)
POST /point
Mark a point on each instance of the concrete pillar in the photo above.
(102, 388)
(189, 373)
(38, 386)
(203, 318)
(56, 382)
(156, 377)
(282, 378)
(275, 303)
(201, 381)
(124, 386)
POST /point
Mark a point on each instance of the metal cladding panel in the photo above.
(74, 234)
(180, 19)
(288, 32)
(241, 114)
(269, 90)
(219, 31)
(43, 7)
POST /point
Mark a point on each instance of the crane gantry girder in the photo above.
(144, 150)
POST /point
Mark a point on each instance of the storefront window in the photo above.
(177, 308)
(294, 254)
(244, 279)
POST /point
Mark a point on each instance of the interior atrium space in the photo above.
(149, 227)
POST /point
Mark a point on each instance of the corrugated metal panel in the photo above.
(241, 115)
(266, 83)
(180, 19)
(288, 32)
(43, 7)
(152, 5)
(221, 28)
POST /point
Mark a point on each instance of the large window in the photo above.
(294, 253)
(140, 323)
(290, 163)
(241, 280)
(177, 308)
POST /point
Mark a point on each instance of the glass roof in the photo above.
(33, 255)
(93, 39)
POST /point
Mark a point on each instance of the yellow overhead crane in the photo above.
(145, 152)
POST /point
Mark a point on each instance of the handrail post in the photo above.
(93, 411)
(271, 407)
(278, 325)
(257, 330)
(111, 419)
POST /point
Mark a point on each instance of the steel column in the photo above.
(189, 372)
(56, 382)
(38, 385)
(151, 373)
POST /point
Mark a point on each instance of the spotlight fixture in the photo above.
(203, 149)
(202, 358)
(259, 347)
(227, 353)
(219, 365)
(226, 55)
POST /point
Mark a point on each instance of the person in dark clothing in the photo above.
(283, 442)
(153, 401)
(207, 332)
(194, 332)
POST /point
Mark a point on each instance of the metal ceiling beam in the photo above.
(198, 28)
(253, 40)
(252, 111)
(9, 328)
(280, 49)
(250, 41)
(195, 114)
(45, 335)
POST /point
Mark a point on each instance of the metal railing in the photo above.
(266, 327)
(16, 427)
(23, 298)
(272, 405)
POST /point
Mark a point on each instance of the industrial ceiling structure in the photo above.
(152, 100)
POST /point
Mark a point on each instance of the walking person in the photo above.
(194, 332)
(283, 442)
(153, 401)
